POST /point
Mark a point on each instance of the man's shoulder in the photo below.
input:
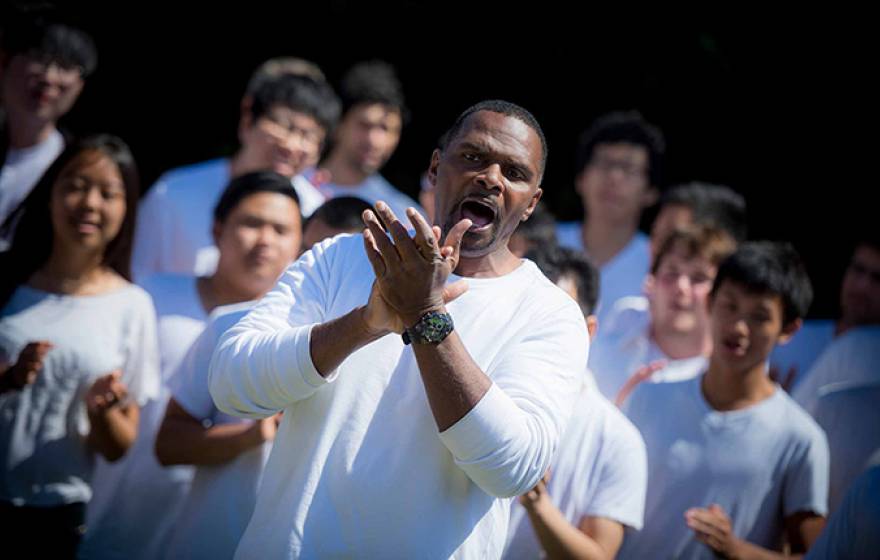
(615, 429)
(791, 418)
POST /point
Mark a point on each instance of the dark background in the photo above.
(771, 108)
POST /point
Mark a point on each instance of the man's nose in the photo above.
(491, 177)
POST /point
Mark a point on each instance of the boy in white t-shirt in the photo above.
(735, 466)
(665, 336)
(596, 486)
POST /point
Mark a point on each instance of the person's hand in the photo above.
(105, 393)
(29, 363)
(642, 374)
(712, 526)
(411, 272)
(268, 427)
(537, 495)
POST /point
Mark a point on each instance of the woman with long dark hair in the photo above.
(77, 343)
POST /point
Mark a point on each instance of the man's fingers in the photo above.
(453, 240)
(402, 241)
(452, 291)
(382, 243)
(373, 254)
(425, 237)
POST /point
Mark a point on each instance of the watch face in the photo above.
(433, 327)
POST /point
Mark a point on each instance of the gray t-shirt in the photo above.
(43, 427)
(760, 464)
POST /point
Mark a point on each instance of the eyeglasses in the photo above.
(629, 169)
(38, 63)
(285, 130)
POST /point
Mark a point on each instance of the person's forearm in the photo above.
(113, 431)
(182, 442)
(749, 551)
(334, 341)
(559, 538)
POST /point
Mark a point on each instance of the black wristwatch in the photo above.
(431, 328)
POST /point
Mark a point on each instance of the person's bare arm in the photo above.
(595, 538)
(112, 415)
(24, 371)
(712, 526)
(183, 440)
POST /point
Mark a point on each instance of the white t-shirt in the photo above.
(373, 189)
(850, 415)
(45, 459)
(624, 275)
(760, 464)
(136, 500)
(852, 357)
(176, 215)
(852, 532)
(803, 349)
(20, 172)
(599, 471)
(358, 467)
(222, 497)
(624, 345)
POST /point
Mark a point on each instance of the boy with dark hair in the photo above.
(337, 215)
(373, 117)
(595, 490)
(735, 465)
(619, 164)
(539, 231)
(282, 127)
(43, 67)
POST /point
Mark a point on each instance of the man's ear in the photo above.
(789, 330)
(532, 204)
(648, 285)
(216, 229)
(245, 122)
(432, 168)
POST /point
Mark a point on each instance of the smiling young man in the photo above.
(735, 465)
(394, 448)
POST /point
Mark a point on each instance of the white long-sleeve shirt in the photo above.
(358, 468)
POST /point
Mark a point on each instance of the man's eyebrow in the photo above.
(523, 166)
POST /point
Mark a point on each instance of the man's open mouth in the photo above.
(481, 213)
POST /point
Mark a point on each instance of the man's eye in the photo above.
(516, 175)
(471, 156)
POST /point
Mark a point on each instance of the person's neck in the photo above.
(492, 265)
(727, 389)
(678, 345)
(215, 291)
(69, 271)
(342, 173)
(603, 240)
(241, 163)
(26, 132)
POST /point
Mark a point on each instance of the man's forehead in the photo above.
(501, 132)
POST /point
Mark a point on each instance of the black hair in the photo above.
(43, 34)
(624, 127)
(504, 108)
(773, 268)
(248, 184)
(343, 213)
(558, 262)
(540, 228)
(372, 81)
(30, 224)
(297, 93)
(711, 205)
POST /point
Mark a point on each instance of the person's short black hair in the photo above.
(343, 213)
(504, 108)
(298, 93)
(772, 268)
(559, 262)
(372, 81)
(248, 184)
(540, 228)
(711, 205)
(628, 127)
(44, 34)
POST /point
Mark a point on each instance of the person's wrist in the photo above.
(369, 331)
(411, 318)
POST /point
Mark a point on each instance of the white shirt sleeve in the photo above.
(189, 384)
(141, 370)
(506, 442)
(263, 364)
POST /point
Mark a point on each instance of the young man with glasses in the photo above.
(43, 67)
(618, 175)
(283, 123)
